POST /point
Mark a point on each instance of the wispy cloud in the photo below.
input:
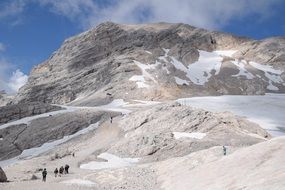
(12, 9)
(11, 79)
(17, 80)
(203, 13)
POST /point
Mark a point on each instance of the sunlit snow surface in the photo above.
(197, 135)
(139, 79)
(268, 110)
(210, 63)
(79, 182)
(180, 81)
(112, 161)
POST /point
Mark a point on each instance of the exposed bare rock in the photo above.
(18, 111)
(3, 177)
(150, 133)
(5, 98)
(16, 138)
(140, 61)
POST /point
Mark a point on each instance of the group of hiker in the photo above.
(57, 172)
(61, 170)
(64, 170)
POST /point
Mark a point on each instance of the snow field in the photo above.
(267, 111)
(79, 182)
(112, 161)
(178, 135)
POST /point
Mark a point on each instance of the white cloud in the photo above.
(17, 80)
(12, 8)
(203, 13)
(10, 81)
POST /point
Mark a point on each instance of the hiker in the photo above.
(55, 172)
(111, 120)
(44, 173)
(225, 150)
(73, 154)
(61, 169)
(66, 168)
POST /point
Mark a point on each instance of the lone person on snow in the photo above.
(66, 168)
(225, 150)
(44, 173)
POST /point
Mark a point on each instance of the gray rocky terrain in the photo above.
(149, 132)
(155, 61)
(18, 111)
(171, 142)
(5, 99)
(3, 177)
(107, 94)
(18, 137)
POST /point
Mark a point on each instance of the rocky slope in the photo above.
(161, 132)
(5, 99)
(121, 141)
(18, 111)
(54, 126)
(155, 61)
(159, 147)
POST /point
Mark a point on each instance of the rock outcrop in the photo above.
(163, 132)
(5, 98)
(17, 138)
(3, 177)
(18, 111)
(155, 61)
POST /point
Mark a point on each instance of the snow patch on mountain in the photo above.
(145, 67)
(242, 70)
(267, 111)
(208, 64)
(140, 81)
(79, 182)
(272, 74)
(180, 81)
(178, 135)
(112, 161)
(227, 53)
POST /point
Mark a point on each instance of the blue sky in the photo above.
(30, 30)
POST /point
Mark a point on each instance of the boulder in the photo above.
(3, 177)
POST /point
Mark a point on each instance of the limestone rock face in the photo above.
(5, 99)
(155, 61)
(14, 139)
(152, 133)
(3, 177)
(18, 111)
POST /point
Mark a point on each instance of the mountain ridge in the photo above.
(105, 54)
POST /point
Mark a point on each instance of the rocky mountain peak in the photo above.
(155, 61)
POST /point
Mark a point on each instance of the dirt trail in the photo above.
(84, 148)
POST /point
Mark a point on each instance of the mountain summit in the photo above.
(155, 62)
